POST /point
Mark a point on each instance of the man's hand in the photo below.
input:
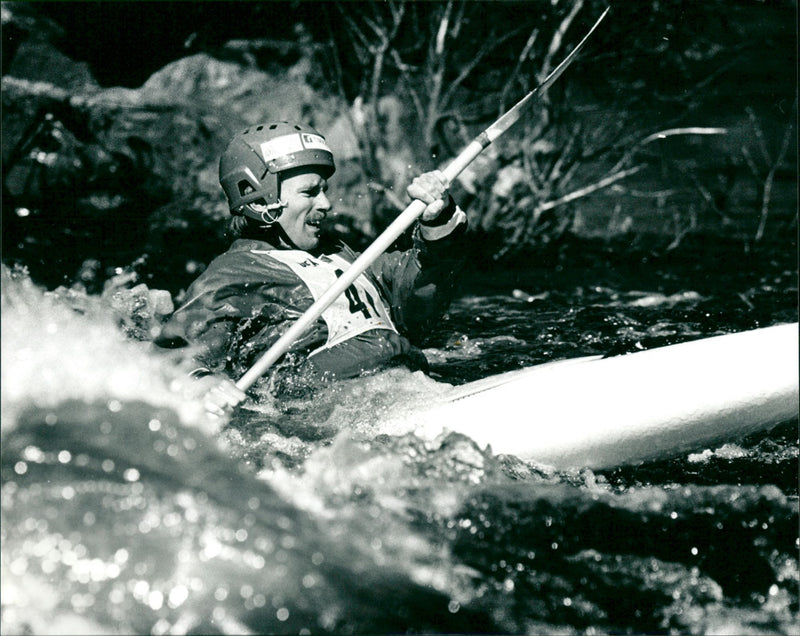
(220, 395)
(431, 188)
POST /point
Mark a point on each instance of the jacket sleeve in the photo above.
(236, 310)
(420, 282)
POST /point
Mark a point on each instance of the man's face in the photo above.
(303, 192)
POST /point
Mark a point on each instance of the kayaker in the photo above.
(275, 177)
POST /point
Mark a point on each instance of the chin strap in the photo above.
(273, 212)
(270, 221)
(268, 216)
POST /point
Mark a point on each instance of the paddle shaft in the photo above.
(398, 226)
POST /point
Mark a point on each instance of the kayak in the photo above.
(602, 412)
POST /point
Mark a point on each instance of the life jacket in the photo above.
(250, 295)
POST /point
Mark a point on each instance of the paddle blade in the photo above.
(513, 115)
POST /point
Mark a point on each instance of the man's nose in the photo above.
(323, 202)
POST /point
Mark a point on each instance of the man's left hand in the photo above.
(430, 188)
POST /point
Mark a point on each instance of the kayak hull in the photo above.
(606, 412)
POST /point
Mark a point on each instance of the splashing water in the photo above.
(125, 509)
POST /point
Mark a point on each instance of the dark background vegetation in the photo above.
(677, 122)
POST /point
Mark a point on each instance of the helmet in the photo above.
(257, 155)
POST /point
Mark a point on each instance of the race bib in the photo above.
(359, 309)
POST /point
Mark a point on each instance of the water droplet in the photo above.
(155, 600)
(141, 588)
(177, 596)
(121, 556)
(33, 454)
(282, 614)
(309, 581)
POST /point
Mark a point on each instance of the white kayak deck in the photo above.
(605, 412)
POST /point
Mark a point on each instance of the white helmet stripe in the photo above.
(287, 144)
(280, 147)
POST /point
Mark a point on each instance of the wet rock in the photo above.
(41, 61)
(130, 171)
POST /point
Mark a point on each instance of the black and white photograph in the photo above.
(399, 317)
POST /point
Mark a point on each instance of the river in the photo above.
(125, 509)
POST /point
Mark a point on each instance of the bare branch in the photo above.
(567, 178)
(536, 180)
(663, 134)
(405, 77)
(555, 171)
(362, 46)
(458, 20)
(377, 29)
(767, 193)
(589, 189)
(649, 194)
(762, 144)
(441, 34)
(558, 38)
(397, 10)
(398, 13)
(748, 159)
(489, 45)
(437, 66)
(523, 56)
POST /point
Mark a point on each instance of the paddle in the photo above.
(401, 223)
